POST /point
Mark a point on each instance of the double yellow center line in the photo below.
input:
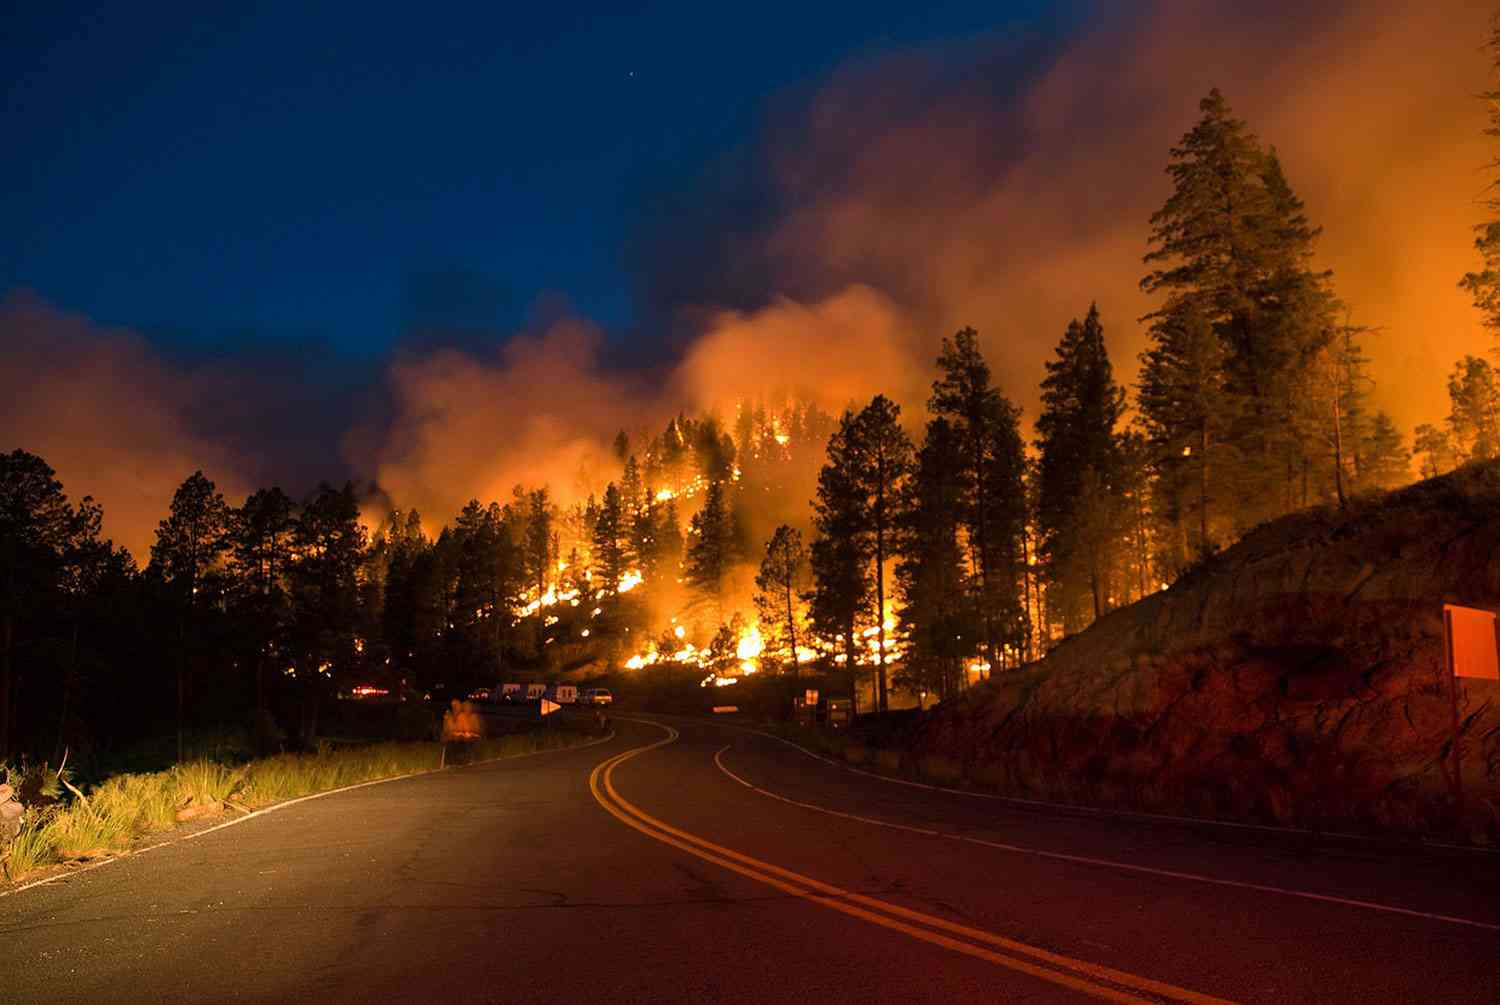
(1088, 978)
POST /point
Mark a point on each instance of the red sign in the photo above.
(1469, 635)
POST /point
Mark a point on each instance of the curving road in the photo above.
(691, 861)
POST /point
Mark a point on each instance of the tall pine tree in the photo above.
(1079, 469)
(1233, 246)
(987, 429)
(188, 557)
(778, 593)
(710, 549)
(938, 621)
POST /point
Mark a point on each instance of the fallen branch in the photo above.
(69, 785)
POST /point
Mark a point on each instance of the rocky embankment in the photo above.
(1297, 678)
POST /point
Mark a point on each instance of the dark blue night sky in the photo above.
(347, 175)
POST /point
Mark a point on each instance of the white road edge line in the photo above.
(1110, 863)
(290, 802)
(1081, 810)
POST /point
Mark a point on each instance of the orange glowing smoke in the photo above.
(918, 192)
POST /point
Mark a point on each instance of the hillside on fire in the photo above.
(898, 548)
(1296, 678)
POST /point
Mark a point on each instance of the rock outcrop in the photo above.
(1297, 678)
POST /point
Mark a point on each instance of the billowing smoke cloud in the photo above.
(539, 413)
(965, 195)
(918, 193)
(110, 416)
(984, 183)
(833, 353)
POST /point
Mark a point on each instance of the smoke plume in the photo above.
(964, 195)
(908, 195)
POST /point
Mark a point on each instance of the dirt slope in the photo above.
(1297, 678)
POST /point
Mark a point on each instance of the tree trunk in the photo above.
(981, 528)
(880, 687)
(181, 680)
(1026, 586)
(851, 649)
(260, 680)
(309, 726)
(541, 615)
(69, 677)
(1094, 589)
(1338, 450)
(1140, 546)
(1203, 488)
(791, 631)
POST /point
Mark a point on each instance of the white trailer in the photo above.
(563, 694)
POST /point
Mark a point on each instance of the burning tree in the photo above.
(778, 587)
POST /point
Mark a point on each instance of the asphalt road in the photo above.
(691, 862)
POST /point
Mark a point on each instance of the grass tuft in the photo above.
(126, 807)
(30, 849)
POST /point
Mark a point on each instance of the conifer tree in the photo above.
(1234, 242)
(938, 621)
(840, 601)
(37, 528)
(610, 544)
(1434, 447)
(778, 590)
(188, 556)
(632, 489)
(1185, 412)
(1079, 467)
(994, 511)
(1385, 461)
(1484, 285)
(642, 533)
(1474, 418)
(1135, 487)
(539, 553)
(667, 529)
(709, 549)
(261, 541)
(329, 542)
(883, 457)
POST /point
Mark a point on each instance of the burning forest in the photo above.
(685, 502)
(851, 486)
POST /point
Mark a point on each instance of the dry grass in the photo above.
(127, 807)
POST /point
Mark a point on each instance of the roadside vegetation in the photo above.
(65, 824)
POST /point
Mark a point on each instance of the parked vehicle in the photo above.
(563, 694)
(596, 696)
(533, 692)
(508, 692)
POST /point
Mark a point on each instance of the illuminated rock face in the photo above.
(1298, 678)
